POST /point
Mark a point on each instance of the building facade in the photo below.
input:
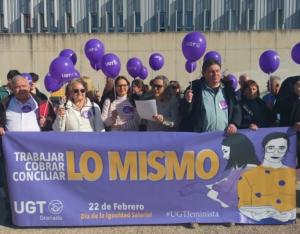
(91, 16)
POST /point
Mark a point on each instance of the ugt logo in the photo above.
(29, 207)
(55, 207)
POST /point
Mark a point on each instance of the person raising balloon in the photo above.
(78, 113)
(118, 113)
(209, 103)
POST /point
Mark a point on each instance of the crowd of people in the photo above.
(208, 104)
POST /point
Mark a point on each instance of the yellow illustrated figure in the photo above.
(269, 190)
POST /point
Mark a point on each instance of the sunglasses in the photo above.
(155, 86)
(79, 90)
(121, 86)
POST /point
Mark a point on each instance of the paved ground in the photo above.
(165, 229)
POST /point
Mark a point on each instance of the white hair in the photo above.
(18, 77)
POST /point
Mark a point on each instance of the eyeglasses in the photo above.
(272, 149)
(79, 90)
(156, 86)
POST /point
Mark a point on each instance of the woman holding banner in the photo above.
(78, 113)
(118, 113)
(167, 104)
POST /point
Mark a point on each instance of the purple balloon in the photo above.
(143, 73)
(70, 76)
(28, 77)
(51, 84)
(190, 66)
(193, 46)
(269, 61)
(94, 50)
(233, 81)
(68, 53)
(213, 55)
(134, 66)
(295, 53)
(111, 65)
(96, 65)
(156, 61)
(61, 69)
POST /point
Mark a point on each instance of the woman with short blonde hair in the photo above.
(78, 113)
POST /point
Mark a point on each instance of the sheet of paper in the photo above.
(146, 108)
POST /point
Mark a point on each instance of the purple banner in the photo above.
(121, 178)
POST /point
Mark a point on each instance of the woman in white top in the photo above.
(118, 113)
(78, 113)
(167, 106)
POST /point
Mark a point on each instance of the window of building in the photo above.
(137, 24)
(120, 22)
(94, 5)
(27, 22)
(1, 22)
(137, 18)
(69, 6)
(296, 22)
(161, 7)
(42, 22)
(179, 20)
(120, 18)
(69, 16)
(205, 16)
(94, 21)
(279, 16)
(189, 20)
(25, 10)
(110, 22)
(136, 5)
(25, 6)
(207, 20)
(52, 20)
(162, 21)
(233, 19)
(188, 16)
(1, 16)
(1, 7)
(233, 8)
(94, 18)
(250, 17)
(179, 15)
(70, 27)
(109, 16)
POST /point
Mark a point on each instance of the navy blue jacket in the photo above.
(191, 113)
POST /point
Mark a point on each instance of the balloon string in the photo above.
(115, 92)
(190, 79)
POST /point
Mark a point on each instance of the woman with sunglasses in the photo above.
(78, 113)
(118, 112)
(167, 106)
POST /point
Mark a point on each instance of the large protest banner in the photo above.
(120, 178)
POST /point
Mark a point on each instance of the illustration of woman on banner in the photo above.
(239, 151)
(269, 190)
